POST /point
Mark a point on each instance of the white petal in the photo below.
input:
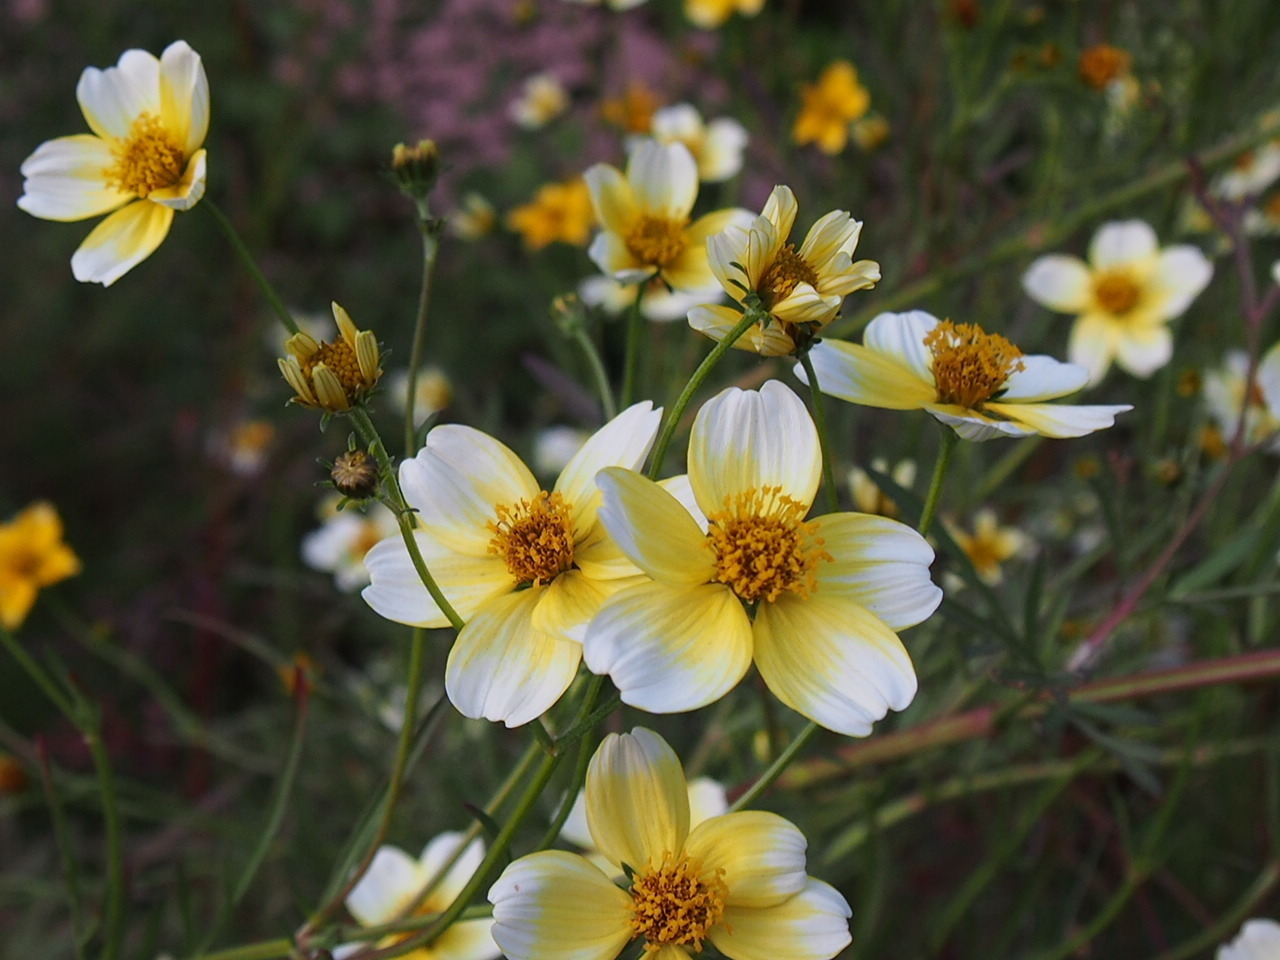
(746, 440)
(1093, 344)
(879, 564)
(707, 799)
(663, 178)
(189, 190)
(1179, 276)
(812, 925)
(1144, 350)
(1058, 281)
(670, 649)
(622, 442)
(1060, 419)
(972, 425)
(901, 336)
(466, 940)
(612, 256)
(611, 198)
(1043, 378)
(64, 179)
(1120, 242)
(392, 882)
(1257, 940)
(653, 529)
(780, 210)
(113, 98)
(121, 242)
(501, 668)
(859, 374)
(184, 95)
(397, 592)
(637, 799)
(438, 852)
(832, 661)
(717, 322)
(722, 150)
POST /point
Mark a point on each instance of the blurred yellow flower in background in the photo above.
(989, 545)
(716, 146)
(709, 14)
(632, 112)
(143, 160)
(1102, 64)
(866, 493)
(558, 212)
(474, 217)
(32, 555)
(542, 99)
(830, 107)
(332, 376)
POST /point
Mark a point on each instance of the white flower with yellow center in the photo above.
(717, 146)
(143, 160)
(1224, 396)
(978, 383)
(740, 574)
(526, 568)
(1124, 297)
(391, 886)
(645, 216)
(344, 537)
(989, 545)
(660, 304)
(737, 881)
(1258, 940)
(542, 99)
(801, 290)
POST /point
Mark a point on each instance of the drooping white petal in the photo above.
(670, 649)
(501, 668)
(554, 905)
(622, 442)
(831, 660)
(184, 95)
(120, 242)
(1120, 242)
(112, 99)
(64, 179)
(1059, 282)
(1043, 378)
(397, 592)
(663, 178)
(859, 374)
(1180, 274)
(746, 440)
(972, 425)
(651, 527)
(189, 190)
(637, 799)
(1060, 419)
(812, 925)
(392, 882)
(717, 322)
(762, 856)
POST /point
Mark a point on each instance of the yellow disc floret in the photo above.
(341, 359)
(534, 537)
(787, 271)
(1116, 292)
(763, 547)
(656, 241)
(674, 903)
(147, 159)
(969, 365)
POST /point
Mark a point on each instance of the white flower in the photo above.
(1124, 297)
(1224, 396)
(541, 100)
(340, 545)
(661, 304)
(1258, 940)
(433, 391)
(1250, 174)
(717, 146)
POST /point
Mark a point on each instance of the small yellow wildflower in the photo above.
(558, 212)
(709, 14)
(830, 106)
(633, 111)
(332, 376)
(32, 555)
(474, 219)
(989, 545)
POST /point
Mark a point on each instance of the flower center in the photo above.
(656, 241)
(341, 359)
(1116, 293)
(970, 366)
(787, 270)
(147, 159)
(674, 903)
(534, 537)
(763, 547)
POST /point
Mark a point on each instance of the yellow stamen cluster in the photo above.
(656, 241)
(147, 159)
(534, 537)
(787, 271)
(341, 359)
(1116, 292)
(675, 904)
(969, 365)
(763, 547)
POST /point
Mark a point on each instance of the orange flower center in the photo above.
(787, 271)
(534, 537)
(1116, 292)
(1102, 63)
(675, 904)
(340, 358)
(970, 366)
(147, 159)
(656, 241)
(763, 547)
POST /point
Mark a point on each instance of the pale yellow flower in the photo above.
(645, 215)
(558, 212)
(1123, 298)
(830, 107)
(736, 881)
(801, 290)
(32, 555)
(144, 159)
(870, 133)
(717, 146)
(1224, 396)
(433, 391)
(474, 219)
(989, 545)
(542, 99)
(332, 376)
(709, 14)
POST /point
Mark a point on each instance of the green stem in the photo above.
(776, 769)
(820, 421)
(65, 852)
(949, 440)
(708, 364)
(430, 247)
(404, 515)
(598, 371)
(1258, 891)
(635, 326)
(114, 920)
(38, 674)
(246, 258)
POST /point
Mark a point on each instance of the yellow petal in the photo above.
(812, 925)
(860, 375)
(121, 242)
(637, 799)
(654, 531)
(762, 856)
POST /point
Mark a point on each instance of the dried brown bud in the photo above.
(355, 474)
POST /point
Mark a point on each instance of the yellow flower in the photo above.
(474, 218)
(830, 106)
(558, 211)
(1124, 297)
(633, 111)
(645, 215)
(1102, 64)
(738, 574)
(709, 14)
(332, 376)
(32, 555)
(979, 384)
(802, 290)
(143, 160)
(737, 881)
(989, 545)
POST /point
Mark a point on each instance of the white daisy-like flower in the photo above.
(1123, 298)
(1258, 940)
(660, 304)
(978, 383)
(717, 147)
(344, 537)
(1224, 396)
(394, 882)
(433, 392)
(526, 568)
(1250, 174)
(542, 99)
(739, 575)
(801, 290)
(737, 881)
(144, 159)
(645, 215)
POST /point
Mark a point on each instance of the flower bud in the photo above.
(416, 168)
(355, 475)
(332, 376)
